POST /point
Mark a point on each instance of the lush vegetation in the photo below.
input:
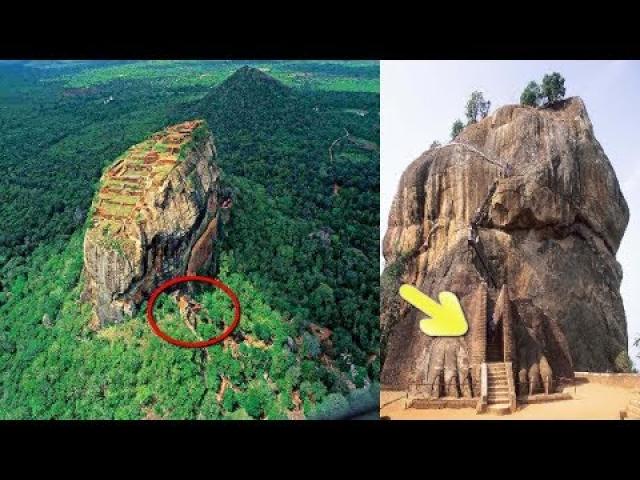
(301, 247)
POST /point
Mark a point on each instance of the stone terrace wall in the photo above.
(624, 380)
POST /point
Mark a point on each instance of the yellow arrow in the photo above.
(447, 318)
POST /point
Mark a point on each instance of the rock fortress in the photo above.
(154, 217)
(521, 217)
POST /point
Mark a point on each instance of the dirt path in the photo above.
(334, 144)
(590, 401)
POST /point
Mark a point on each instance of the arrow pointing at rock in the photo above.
(446, 318)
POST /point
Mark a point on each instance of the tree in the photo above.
(311, 345)
(322, 301)
(553, 87)
(531, 95)
(456, 128)
(332, 407)
(623, 363)
(435, 144)
(256, 398)
(477, 107)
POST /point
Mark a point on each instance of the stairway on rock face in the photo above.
(498, 400)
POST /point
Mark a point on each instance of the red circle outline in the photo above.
(193, 278)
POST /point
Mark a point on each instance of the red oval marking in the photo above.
(193, 278)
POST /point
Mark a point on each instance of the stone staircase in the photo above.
(500, 389)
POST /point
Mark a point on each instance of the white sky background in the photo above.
(421, 99)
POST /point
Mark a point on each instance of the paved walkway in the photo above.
(591, 401)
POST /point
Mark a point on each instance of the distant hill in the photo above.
(244, 99)
(251, 83)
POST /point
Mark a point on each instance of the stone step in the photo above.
(493, 393)
(499, 409)
(500, 391)
(498, 388)
(498, 384)
(498, 399)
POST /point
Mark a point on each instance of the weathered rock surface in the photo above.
(553, 219)
(155, 217)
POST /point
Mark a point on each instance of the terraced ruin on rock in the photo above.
(155, 217)
(143, 167)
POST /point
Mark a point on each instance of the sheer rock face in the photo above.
(552, 227)
(155, 218)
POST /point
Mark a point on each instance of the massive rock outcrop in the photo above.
(155, 217)
(550, 216)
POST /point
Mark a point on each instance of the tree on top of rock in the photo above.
(551, 90)
(553, 87)
(532, 95)
(456, 128)
(477, 107)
